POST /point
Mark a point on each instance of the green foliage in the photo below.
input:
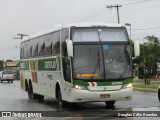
(1, 65)
(150, 54)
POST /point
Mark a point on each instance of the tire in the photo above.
(8, 81)
(31, 95)
(40, 97)
(159, 95)
(11, 81)
(110, 104)
(59, 99)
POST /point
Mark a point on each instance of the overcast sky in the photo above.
(32, 16)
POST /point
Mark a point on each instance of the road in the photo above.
(12, 98)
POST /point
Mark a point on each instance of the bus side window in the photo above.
(66, 70)
(65, 35)
(30, 52)
(56, 43)
(49, 49)
(21, 54)
(34, 47)
(64, 49)
(42, 49)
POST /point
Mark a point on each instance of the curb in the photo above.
(145, 89)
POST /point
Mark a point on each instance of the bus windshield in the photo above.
(101, 60)
(88, 62)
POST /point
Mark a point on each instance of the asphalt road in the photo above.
(12, 98)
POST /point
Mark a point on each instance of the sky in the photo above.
(32, 16)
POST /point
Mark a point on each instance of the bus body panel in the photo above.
(44, 85)
(85, 95)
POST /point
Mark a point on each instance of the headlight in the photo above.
(80, 87)
(127, 85)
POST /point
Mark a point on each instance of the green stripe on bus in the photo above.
(106, 83)
(47, 64)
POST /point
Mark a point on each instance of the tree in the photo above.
(153, 53)
(1, 65)
(149, 56)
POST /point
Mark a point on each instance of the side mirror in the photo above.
(136, 49)
(69, 48)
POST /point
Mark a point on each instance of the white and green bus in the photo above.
(78, 63)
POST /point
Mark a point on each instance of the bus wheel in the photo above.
(110, 104)
(59, 98)
(31, 95)
(159, 95)
(40, 97)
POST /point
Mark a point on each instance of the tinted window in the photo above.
(7, 72)
(99, 34)
(56, 43)
(65, 35)
(41, 46)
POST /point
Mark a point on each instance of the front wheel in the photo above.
(59, 98)
(110, 103)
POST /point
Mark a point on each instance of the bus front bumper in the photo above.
(90, 96)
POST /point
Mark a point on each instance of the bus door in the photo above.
(67, 76)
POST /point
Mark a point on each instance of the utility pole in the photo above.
(117, 7)
(21, 36)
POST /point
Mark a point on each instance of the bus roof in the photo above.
(58, 27)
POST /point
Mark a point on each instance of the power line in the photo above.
(146, 28)
(148, 32)
(139, 2)
(117, 7)
(102, 10)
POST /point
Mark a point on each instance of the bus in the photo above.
(79, 62)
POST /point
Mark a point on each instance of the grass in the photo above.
(141, 84)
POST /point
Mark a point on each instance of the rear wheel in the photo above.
(31, 95)
(110, 103)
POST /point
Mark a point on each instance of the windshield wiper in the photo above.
(96, 66)
(127, 56)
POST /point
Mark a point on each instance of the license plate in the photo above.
(104, 95)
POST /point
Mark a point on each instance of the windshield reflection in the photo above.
(88, 62)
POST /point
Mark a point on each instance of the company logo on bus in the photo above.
(22, 65)
(117, 83)
(51, 64)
